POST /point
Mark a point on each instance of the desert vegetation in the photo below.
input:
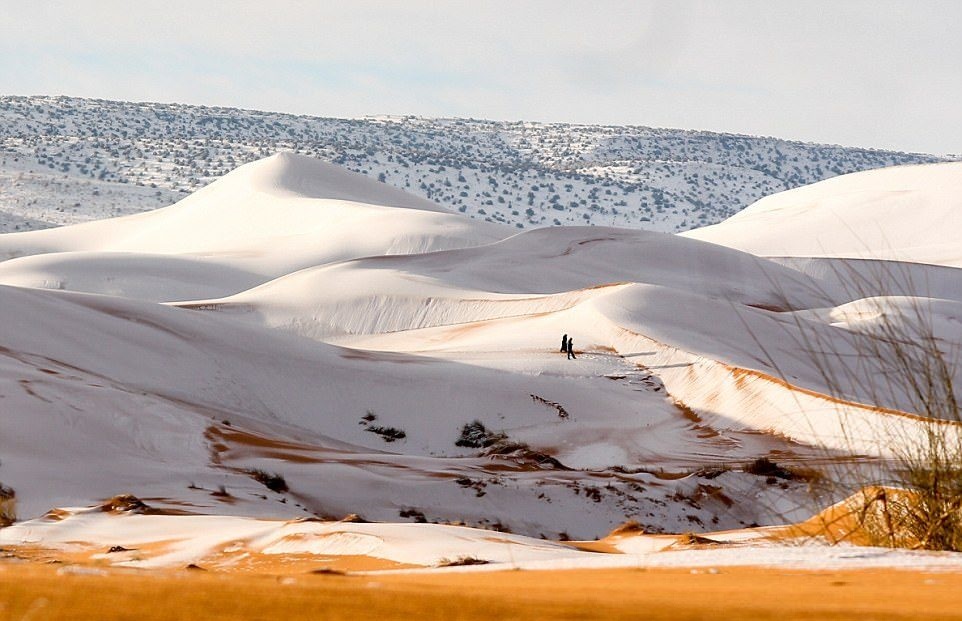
(270, 480)
(896, 355)
(476, 435)
(8, 505)
(388, 434)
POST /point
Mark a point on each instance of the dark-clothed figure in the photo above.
(571, 349)
(564, 343)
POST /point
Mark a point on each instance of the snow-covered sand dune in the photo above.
(235, 544)
(547, 270)
(264, 220)
(904, 213)
(340, 334)
(150, 419)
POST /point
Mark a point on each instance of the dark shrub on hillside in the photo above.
(476, 435)
(389, 434)
(271, 481)
(764, 467)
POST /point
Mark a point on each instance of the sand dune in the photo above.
(904, 213)
(346, 338)
(267, 218)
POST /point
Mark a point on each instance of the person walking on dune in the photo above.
(564, 343)
(571, 348)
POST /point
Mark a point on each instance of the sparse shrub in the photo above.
(8, 506)
(389, 434)
(127, 503)
(271, 481)
(462, 561)
(476, 435)
(523, 454)
(711, 472)
(477, 485)
(764, 467)
(913, 499)
(562, 412)
(414, 514)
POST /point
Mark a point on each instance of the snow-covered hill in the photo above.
(66, 160)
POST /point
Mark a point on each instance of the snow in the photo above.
(194, 539)
(904, 213)
(217, 541)
(288, 316)
(265, 219)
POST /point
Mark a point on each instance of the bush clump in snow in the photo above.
(499, 445)
(764, 467)
(271, 481)
(389, 434)
(462, 561)
(476, 435)
(127, 503)
(523, 455)
(417, 516)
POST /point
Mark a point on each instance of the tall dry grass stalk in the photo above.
(888, 352)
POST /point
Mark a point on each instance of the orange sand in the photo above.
(38, 592)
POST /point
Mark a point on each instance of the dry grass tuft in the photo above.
(893, 357)
(631, 527)
(462, 561)
(8, 506)
(127, 503)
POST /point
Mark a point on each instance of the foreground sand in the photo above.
(30, 591)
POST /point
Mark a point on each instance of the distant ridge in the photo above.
(65, 160)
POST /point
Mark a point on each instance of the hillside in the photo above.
(66, 160)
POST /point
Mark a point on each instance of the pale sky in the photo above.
(876, 73)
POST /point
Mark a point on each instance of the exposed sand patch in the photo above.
(240, 560)
(51, 592)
